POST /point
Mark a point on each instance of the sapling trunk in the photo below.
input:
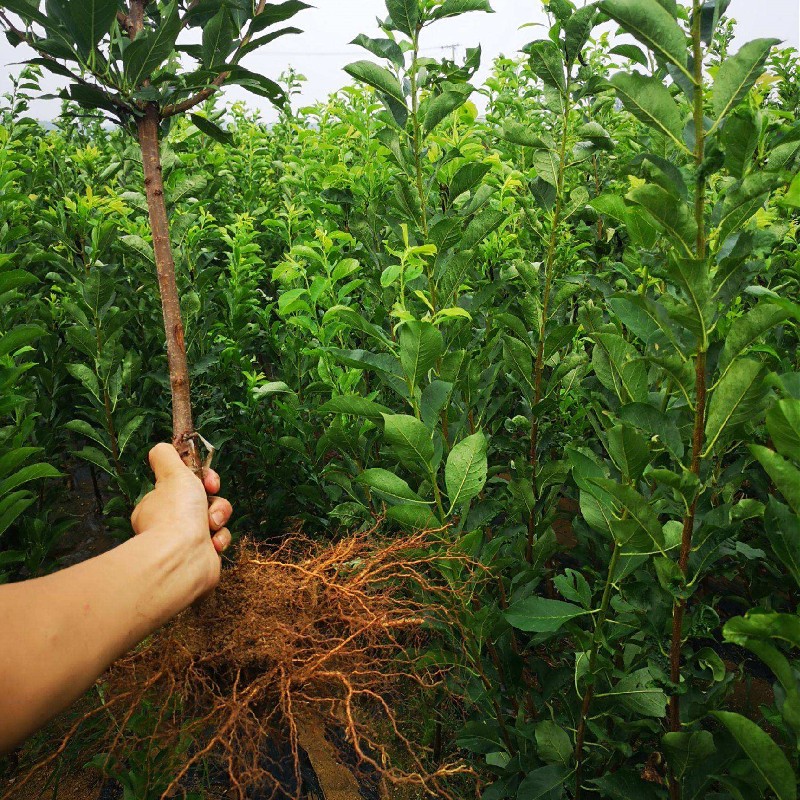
(698, 432)
(538, 369)
(147, 126)
(182, 423)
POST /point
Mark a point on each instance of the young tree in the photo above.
(128, 60)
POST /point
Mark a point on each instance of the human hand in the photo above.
(178, 506)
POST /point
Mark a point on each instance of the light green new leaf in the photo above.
(731, 402)
(767, 758)
(738, 73)
(421, 345)
(389, 485)
(466, 470)
(410, 440)
(650, 23)
(784, 475)
(540, 615)
(650, 101)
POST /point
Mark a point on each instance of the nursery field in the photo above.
(507, 403)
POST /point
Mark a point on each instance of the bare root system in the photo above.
(310, 636)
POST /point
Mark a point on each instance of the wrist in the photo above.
(184, 568)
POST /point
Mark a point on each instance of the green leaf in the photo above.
(547, 165)
(553, 743)
(481, 226)
(784, 527)
(404, 15)
(518, 360)
(547, 62)
(466, 178)
(86, 377)
(540, 615)
(631, 52)
(577, 30)
(767, 758)
(254, 44)
(413, 516)
(91, 21)
(746, 330)
(439, 106)
(466, 469)
(783, 425)
(671, 214)
(390, 486)
(149, 50)
(33, 472)
(410, 440)
(741, 201)
(378, 77)
(273, 13)
(454, 8)
(655, 423)
(219, 34)
(686, 752)
(16, 279)
(18, 337)
(629, 451)
(732, 400)
(783, 474)
(650, 23)
(211, 129)
(421, 346)
(637, 693)
(356, 405)
(650, 101)
(737, 74)
(272, 387)
(640, 531)
(544, 783)
(382, 48)
(12, 506)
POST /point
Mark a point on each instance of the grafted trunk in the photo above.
(182, 423)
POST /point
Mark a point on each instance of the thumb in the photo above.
(165, 461)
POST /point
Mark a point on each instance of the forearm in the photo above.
(62, 631)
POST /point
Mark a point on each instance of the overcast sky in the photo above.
(322, 50)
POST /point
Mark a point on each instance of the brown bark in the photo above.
(182, 423)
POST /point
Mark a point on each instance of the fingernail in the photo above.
(217, 518)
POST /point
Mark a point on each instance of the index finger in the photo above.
(211, 481)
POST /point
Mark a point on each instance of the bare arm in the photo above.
(60, 632)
